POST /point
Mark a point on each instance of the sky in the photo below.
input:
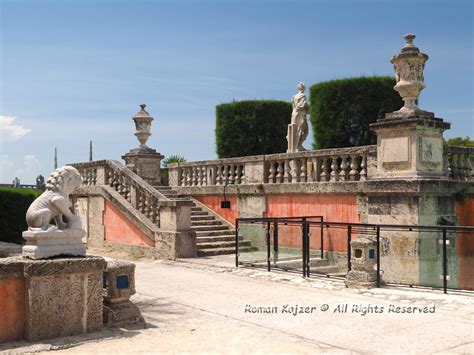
(74, 71)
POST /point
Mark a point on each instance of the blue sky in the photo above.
(72, 71)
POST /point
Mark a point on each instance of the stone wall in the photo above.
(44, 299)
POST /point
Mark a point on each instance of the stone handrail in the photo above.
(340, 164)
(459, 162)
(130, 186)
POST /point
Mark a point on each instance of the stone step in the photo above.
(196, 209)
(199, 213)
(202, 218)
(211, 233)
(217, 238)
(209, 228)
(212, 222)
(225, 244)
(222, 251)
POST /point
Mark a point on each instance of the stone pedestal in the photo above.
(410, 146)
(292, 138)
(145, 162)
(63, 297)
(41, 244)
(119, 286)
(363, 260)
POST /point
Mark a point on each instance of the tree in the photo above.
(252, 127)
(341, 110)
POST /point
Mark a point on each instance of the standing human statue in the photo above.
(298, 128)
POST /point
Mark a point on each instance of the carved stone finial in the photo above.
(143, 126)
(409, 65)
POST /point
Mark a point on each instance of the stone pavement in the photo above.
(207, 305)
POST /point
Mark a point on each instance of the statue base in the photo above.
(145, 162)
(42, 244)
(292, 139)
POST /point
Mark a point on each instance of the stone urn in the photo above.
(409, 65)
(143, 126)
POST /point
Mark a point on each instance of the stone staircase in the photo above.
(213, 237)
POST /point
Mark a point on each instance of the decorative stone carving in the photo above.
(144, 161)
(143, 126)
(44, 240)
(298, 128)
(409, 65)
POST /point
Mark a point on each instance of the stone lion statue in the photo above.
(54, 202)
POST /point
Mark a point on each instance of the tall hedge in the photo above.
(341, 110)
(13, 206)
(252, 127)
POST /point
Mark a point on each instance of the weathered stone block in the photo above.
(64, 297)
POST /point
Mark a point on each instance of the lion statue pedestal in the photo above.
(44, 240)
(53, 242)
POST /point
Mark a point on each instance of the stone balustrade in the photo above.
(130, 186)
(325, 165)
(459, 162)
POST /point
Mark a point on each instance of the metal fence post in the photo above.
(378, 256)
(275, 241)
(321, 237)
(349, 237)
(268, 246)
(445, 263)
(237, 242)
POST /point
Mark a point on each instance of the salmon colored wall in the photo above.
(465, 244)
(120, 230)
(12, 308)
(333, 208)
(214, 203)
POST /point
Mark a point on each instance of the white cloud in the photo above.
(10, 130)
(26, 170)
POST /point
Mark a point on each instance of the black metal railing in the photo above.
(439, 256)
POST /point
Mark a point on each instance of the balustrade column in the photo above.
(343, 175)
(334, 176)
(363, 168)
(354, 166)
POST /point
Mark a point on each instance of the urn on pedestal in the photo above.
(144, 161)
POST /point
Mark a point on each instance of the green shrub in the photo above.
(461, 142)
(341, 110)
(13, 206)
(252, 127)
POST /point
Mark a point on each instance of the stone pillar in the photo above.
(410, 140)
(119, 284)
(175, 223)
(144, 161)
(363, 260)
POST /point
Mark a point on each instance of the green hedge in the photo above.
(252, 127)
(341, 110)
(13, 206)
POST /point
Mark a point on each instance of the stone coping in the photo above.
(280, 156)
(20, 266)
(404, 122)
(373, 186)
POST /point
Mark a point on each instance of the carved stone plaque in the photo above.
(395, 150)
(431, 149)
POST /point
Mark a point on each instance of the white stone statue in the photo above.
(54, 202)
(298, 128)
(65, 237)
